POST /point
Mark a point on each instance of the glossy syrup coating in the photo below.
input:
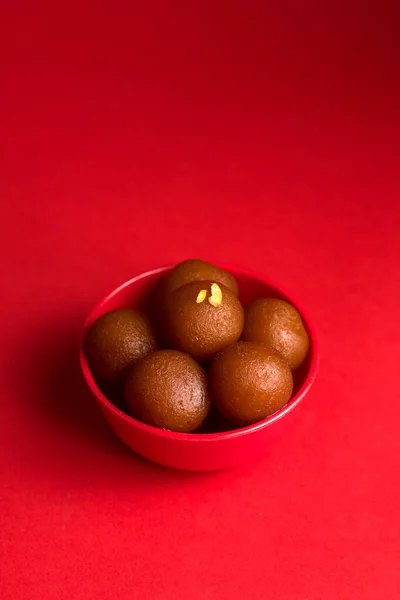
(116, 341)
(249, 381)
(197, 270)
(202, 318)
(168, 389)
(278, 324)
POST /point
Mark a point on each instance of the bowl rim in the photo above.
(216, 436)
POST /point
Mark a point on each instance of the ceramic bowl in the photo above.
(218, 444)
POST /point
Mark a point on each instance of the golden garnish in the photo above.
(201, 296)
(216, 295)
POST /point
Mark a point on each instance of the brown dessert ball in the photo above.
(249, 381)
(168, 389)
(116, 340)
(197, 270)
(278, 324)
(202, 318)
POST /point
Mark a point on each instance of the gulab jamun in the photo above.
(249, 381)
(202, 318)
(116, 341)
(278, 324)
(168, 389)
(198, 270)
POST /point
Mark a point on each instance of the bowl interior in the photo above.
(141, 293)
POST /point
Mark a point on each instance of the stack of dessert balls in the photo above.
(200, 347)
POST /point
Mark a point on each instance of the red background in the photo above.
(256, 133)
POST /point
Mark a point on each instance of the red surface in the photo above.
(260, 134)
(215, 447)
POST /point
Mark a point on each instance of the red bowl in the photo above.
(213, 448)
